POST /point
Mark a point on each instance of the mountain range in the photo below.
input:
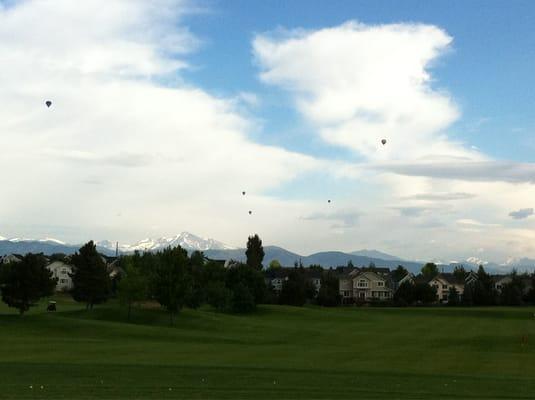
(218, 250)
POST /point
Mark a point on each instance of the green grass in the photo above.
(279, 352)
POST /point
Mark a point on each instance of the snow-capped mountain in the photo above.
(45, 240)
(518, 262)
(185, 240)
(476, 261)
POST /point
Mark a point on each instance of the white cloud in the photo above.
(360, 83)
(357, 84)
(116, 141)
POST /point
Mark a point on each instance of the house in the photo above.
(10, 258)
(395, 283)
(276, 277)
(345, 285)
(444, 281)
(62, 271)
(501, 280)
(370, 284)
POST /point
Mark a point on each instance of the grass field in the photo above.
(279, 352)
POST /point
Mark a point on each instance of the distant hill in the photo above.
(375, 254)
(46, 247)
(325, 259)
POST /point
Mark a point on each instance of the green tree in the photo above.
(91, 282)
(429, 270)
(242, 300)
(453, 296)
(460, 273)
(24, 283)
(483, 292)
(511, 293)
(424, 293)
(253, 279)
(133, 287)
(172, 282)
(350, 264)
(405, 295)
(293, 289)
(329, 293)
(399, 273)
(254, 252)
(275, 264)
(219, 296)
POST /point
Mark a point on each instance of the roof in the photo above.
(450, 278)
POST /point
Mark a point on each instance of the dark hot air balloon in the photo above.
(243, 193)
(250, 212)
(328, 201)
(383, 141)
(48, 103)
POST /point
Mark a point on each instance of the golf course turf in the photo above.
(277, 353)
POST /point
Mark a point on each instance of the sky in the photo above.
(165, 111)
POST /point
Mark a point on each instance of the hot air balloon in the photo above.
(328, 201)
(383, 141)
(48, 103)
(243, 193)
(250, 212)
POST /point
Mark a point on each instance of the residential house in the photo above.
(370, 284)
(62, 272)
(444, 281)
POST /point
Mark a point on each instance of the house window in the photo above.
(380, 283)
(444, 286)
(363, 283)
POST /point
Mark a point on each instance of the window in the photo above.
(63, 281)
(363, 283)
(444, 286)
(380, 283)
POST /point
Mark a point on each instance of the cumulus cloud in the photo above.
(125, 134)
(522, 213)
(361, 83)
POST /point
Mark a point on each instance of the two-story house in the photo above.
(370, 285)
(62, 271)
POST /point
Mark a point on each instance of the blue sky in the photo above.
(489, 69)
(195, 101)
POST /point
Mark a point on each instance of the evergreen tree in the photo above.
(460, 273)
(511, 294)
(254, 252)
(453, 296)
(405, 295)
(293, 289)
(483, 292)
(329, 293)
(24, 283)
(399, 273)
(91, 282)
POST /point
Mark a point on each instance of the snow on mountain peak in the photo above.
(185, 240)
(476, 260)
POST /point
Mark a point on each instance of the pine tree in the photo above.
(24, 283)
(254, 252)
(91, 282)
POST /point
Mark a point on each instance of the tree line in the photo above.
(175, 279)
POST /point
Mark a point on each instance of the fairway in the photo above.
(279, 352)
